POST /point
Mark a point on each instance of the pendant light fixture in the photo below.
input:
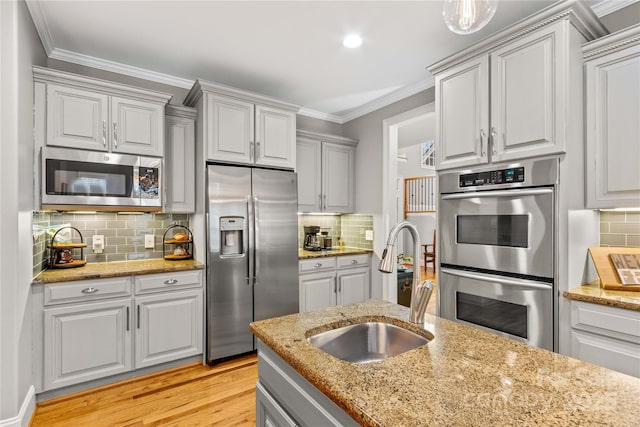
(468, 16)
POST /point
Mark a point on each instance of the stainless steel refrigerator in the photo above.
(252, 265)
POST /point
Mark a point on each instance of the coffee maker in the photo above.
(311, 238)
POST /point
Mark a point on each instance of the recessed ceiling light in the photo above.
(352, 40)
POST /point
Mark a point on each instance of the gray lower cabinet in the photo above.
(92, 329)
(269, 413)
(285, 398)
(606, 336)
(325, 282)
(168, 327)
(84, 342)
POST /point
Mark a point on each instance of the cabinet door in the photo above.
(77, 118)
(275, 142)
(269, 413)
(462, 112)
(621, 356)
(229, 130)
(353, 285)
(137, 128)
(83, 342)
(338, 164)
(180, 165)
(168, 327)
(317, 291)
(309, 170)
(613, 132)
(528, 96)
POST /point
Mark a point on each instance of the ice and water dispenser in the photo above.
(231, 229)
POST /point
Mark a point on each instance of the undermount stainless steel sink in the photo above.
(368, 342)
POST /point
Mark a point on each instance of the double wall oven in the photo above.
(498, 250)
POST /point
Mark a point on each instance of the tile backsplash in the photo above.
(351, 227)
(123, 234)
(620, 228)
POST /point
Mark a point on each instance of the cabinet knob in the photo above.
(89, 290)
(318, 265)
(354, 261)
(170, 282)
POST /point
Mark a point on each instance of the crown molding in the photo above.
(606, 7)
(371, 106)
(35, 9)
(328, 117)
(117, 67)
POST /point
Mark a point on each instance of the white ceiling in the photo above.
(287, 49)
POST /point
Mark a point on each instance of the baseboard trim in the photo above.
(26, 411)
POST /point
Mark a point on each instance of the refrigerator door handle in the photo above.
(256, 240)
(248, 250)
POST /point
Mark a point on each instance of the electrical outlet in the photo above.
(368, 235)
(149, 241)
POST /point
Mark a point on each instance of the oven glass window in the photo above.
(88, 179)
(491, 313)
(494, 230)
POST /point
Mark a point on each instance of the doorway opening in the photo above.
(403, 138)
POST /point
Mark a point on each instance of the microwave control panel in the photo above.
(501, 176)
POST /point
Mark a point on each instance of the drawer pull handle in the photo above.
(170, 282)
(318, 265)
(89, 290)
(354, 261)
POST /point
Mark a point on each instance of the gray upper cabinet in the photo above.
(86, 113)
(512, 95)
(180, 160)
(462, 100)
(309, 170)
(325, 165)
(77, 118)
(243, 127)
(612, 107)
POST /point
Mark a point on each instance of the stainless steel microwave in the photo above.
(80, 179)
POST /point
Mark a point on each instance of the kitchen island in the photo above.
(464, 376)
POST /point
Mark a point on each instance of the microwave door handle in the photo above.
(504, 193)
(519, 283)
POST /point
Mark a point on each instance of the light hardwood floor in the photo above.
(191, 395)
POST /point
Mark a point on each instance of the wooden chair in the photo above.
(430, 252)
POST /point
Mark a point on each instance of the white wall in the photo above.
(21, 48)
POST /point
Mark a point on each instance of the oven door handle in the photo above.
(503, 193)
(520, 283)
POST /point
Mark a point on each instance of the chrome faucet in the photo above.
(420, 292)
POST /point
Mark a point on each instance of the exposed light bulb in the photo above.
(352, 40)
(468, 16)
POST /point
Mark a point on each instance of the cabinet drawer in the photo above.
(317, 264)
(347, 261)
(165, 281)
(86, 290)
(611, 321)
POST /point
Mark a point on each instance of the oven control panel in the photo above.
(501, 176)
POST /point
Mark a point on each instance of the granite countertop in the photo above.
(593, 293)
(303, 254)
(101, 270)
(465, 376)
